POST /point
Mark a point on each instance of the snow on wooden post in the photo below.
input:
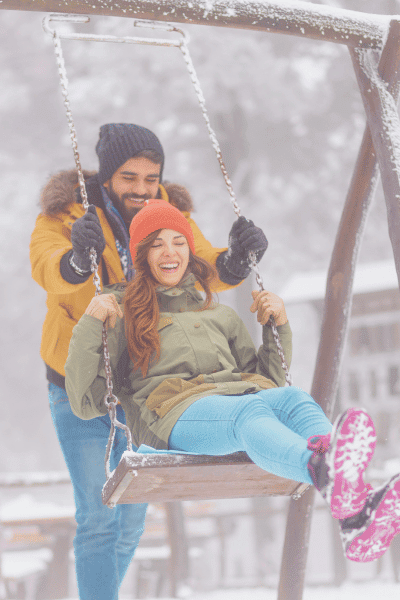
(384, 123)
(293, 17)
(337, 311)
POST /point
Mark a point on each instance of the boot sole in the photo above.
(384, 525)
(349, 456)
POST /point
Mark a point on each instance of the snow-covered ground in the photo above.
(350, 591)
(365, 591)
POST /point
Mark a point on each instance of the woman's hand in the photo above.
(267, 304)
(105, 308)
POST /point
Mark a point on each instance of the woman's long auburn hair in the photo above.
(141, 306)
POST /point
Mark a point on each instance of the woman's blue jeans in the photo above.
(272, 426)
(106, 539)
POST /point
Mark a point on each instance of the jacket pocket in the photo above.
(263, 382)
(173, 391)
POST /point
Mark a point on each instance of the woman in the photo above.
(189, 379)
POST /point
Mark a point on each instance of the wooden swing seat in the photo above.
(169, 477)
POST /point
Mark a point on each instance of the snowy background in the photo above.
(289, 118)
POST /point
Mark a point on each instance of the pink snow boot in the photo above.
(339, 461)
(368, 535)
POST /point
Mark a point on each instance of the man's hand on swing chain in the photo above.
(244, 238)
(87, 233)
(267, 304)
(105, 308)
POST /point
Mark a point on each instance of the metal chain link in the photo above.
(253, 261)
(110, 399)
(111, 402)
(72, 131)
(277, 339)
(196, 84)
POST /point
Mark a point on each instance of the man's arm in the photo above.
(60, 255)
(50, 241)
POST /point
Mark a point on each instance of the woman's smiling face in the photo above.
(168, 257)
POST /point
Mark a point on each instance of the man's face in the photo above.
(134, 182)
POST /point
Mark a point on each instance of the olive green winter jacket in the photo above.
(203, 353)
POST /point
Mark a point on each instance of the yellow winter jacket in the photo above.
(51, 239)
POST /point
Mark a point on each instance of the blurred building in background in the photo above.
(370, 375)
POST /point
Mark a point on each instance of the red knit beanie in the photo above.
(158, 214)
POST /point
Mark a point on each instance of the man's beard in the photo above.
(127, 213)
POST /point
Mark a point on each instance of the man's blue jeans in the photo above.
(106, 539)
(272, 426)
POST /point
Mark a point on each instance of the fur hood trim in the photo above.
(62, 189)
(179, 196)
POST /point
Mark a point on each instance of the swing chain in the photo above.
(277, 339)
(74, 140)
(196, 84)
(72, 131)
(112, 403)
(252, 256)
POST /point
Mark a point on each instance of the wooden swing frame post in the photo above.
(360, 32)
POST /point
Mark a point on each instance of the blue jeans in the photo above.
(106, 539)
(272, 426)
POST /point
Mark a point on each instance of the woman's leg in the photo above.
(367, 535)
(219, 425)
(297, 410)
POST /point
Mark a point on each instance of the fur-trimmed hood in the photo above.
(62, 189)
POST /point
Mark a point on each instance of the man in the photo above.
(131, 163)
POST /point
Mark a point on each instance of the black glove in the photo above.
(87, 233)
(244, 238)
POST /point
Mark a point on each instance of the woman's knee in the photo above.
(252, 407)
(286, 396)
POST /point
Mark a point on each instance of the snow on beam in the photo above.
(292, 17)
(380, 105)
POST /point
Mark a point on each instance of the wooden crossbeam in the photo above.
(303, 19)
(165, 478)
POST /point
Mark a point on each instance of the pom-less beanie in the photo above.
(118, 142)
(158, 214)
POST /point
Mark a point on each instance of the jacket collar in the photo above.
(180, 298)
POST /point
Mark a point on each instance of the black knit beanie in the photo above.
(119, 142)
